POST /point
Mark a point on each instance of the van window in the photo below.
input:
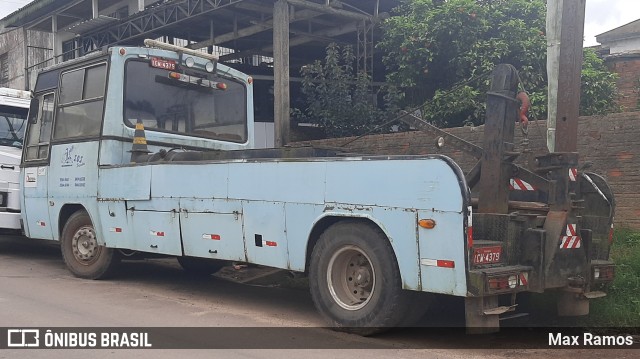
(81, 103)
(40, 132)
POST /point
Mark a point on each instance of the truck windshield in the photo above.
(12, 124)
(192, 103)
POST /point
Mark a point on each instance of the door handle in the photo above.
(8, 167)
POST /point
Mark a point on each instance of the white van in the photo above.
(14, 106)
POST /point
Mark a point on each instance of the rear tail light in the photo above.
(507, 282)
(605, 273)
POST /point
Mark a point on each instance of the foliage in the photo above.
(431, 47)
(340, 100)
(598, 86)
(621, 306)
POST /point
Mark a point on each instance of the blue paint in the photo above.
(261, 211)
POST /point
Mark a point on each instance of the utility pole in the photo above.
(565, 32)
(282, 102)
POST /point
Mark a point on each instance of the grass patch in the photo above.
(621, 306)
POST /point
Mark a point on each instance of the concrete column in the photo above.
(25, 50)
(565, 31)
(94, 8)
(57, 46)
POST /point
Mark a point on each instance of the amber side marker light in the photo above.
(427, 223)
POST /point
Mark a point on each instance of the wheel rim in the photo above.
(85, 245)
(351, 278)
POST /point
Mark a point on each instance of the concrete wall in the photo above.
(611, 143)
(38, 48)
(624, 45)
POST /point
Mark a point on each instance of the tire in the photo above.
(419, 304)
(354, 279)
(81, 252)
(200, 266)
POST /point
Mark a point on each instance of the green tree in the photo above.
(599, 89)
(442, 52)
(339, 99)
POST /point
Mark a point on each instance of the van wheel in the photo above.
(81, 252)
(355, 281)
(200, 266)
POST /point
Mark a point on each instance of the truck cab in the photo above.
(14, 105)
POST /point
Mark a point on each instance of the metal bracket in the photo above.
(499, 310)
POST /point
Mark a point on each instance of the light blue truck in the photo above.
(149, 149)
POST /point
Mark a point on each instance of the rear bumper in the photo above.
(498, 280)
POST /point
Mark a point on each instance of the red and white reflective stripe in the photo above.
(524, 278)
(470, 227)
(442, 263)
(571, 240)
(269, 243)
(115, 229)
(41, 223)
(573, 174)
(215, 237)
(516, 184)
(611, 234)
(156, 233)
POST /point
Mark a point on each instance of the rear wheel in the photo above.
(82, 253)
(354, 279)
(200, 266)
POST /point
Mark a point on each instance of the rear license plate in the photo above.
(163, 64)
(487, 255)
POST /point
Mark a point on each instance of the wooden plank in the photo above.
(282, 101)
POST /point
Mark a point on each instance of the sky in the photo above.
(601, 15)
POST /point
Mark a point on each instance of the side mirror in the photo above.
(33, 110)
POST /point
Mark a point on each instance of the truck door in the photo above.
(35, 204)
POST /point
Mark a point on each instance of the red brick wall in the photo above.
(628, 67)
(611, 143)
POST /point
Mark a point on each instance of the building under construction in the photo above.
(269, 39)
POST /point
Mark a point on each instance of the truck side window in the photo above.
(81, 103)
(40, 131)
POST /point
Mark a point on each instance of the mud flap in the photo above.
(477, 321)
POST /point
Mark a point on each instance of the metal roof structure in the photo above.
(269, 38)
(244, 26)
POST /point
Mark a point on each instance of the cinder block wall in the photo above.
(611, 143)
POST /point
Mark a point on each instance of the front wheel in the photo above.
(355, 281)
(82, 253)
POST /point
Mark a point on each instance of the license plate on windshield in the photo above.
(487, 255)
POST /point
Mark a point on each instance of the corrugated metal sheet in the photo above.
(90, 24)
(30, 12)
